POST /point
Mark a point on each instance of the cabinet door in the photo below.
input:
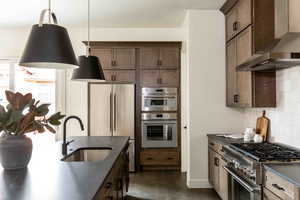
(127, 76)
(244, 82)
(169, 78)
(169, 58)
(150, 78)
(105, 57)
(216, 176)
(231, 28)
(244, 14)
(149, 57)
(223, 180)
(124, 58)
(231, 73)
(109, 75)
(100, 114)
(211, 166)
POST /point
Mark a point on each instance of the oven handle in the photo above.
(243, 183)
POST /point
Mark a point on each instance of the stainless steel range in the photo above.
(244, 165)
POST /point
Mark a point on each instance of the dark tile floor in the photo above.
(165, 186)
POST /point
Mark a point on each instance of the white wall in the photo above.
(207, 112)
(285, 118)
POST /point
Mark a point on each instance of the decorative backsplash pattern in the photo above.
(285, 119)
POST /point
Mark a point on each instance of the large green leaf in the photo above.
(54, 119)
(42, 110)
(15, 117)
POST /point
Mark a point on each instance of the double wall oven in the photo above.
(159, 117)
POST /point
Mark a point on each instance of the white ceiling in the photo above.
(104, 13)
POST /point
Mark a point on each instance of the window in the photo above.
(39, 82)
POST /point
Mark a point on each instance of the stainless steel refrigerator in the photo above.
(112, 113)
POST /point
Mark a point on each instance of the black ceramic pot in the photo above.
(15, 151)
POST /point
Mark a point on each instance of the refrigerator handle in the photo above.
(111, 114)
(115, 112)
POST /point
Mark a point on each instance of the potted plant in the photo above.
(22, 115)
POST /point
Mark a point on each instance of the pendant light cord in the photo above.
(88, 43)
(49, 5)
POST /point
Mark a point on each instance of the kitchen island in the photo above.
(48, 177)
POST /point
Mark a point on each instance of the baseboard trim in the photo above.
(198, 183)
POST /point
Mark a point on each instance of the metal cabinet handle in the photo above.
(115, 112)
(159, 62)
(216, 161)
(108, 185)
(170, 158)
(236, 98)
(149, 158)
(111, 113)
(113, 63)
(278, 187)
(235, 26)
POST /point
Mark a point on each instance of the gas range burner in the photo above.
(267, 151)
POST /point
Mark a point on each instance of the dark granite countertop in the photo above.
(223, 140)
(288, 171)
(47, 177)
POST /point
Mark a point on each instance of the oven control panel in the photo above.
(243, 170)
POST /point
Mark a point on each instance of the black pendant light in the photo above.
(49, 45)
(90, 68)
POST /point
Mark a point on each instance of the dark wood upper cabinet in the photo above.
(167, 58)
(124, 58)
(231, 89)
(247, 89)
(169, 78)
(244, 14)
(115, 58)
(149, 78)
(120, 76)
(256, 13)
(149, 57)
(105, 57)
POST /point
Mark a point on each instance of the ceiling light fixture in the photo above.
(90, 68)
(49, 45)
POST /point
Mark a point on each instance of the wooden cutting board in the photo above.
(262, 125)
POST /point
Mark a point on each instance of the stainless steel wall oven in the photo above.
(159, 130)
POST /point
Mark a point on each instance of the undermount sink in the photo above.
(88, 155)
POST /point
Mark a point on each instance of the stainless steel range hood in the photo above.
(285, 52)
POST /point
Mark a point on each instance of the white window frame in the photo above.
(60, 88)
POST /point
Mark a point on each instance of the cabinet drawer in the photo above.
(279, 186)
(159, 157)
(120, 76)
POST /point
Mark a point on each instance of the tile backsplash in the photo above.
(285, 119)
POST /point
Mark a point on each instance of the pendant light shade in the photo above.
(89, 69)
(49, 46)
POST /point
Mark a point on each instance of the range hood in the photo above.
(285, 52)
